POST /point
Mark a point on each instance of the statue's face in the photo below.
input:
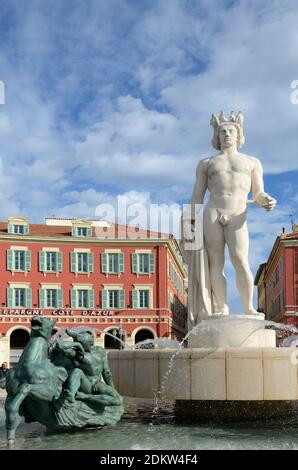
(228, 135)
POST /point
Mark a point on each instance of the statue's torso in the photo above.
(229, 180)
(91, 364)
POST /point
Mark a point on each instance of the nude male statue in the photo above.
(229, 176)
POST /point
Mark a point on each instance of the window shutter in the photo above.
(104, 298)
(10, 257)
(73, 298)
(90, 262)
(59, 262)
(27, 260)
(59, 298)
(42, 298)
(135, 263)
(73, 262)
(135, 299)
(104, 262)
(122, 298)
(28, 298)
(151, 263)
(89, 232)
(10, 228)
(74, 231)
(26, 229)
(10, 299)
(91, 298)
(120, 263)
(42, 261)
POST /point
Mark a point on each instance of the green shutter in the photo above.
(104, 262)
(135, 299)
(10, 228)
(74, 231)
(10, 257)
(122, 298)
(73, 262)
(10, 297)
(151, 263)
(27, 260)
(59, 262)
(135, 263)
(90, 262)
(73, 298)
(104, 299)
(42, 298)
(28, 298)
(42, 261)
(60, 298)
(120, 263)
(26, 229)
(91, 298)
(89, 232)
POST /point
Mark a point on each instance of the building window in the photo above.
(81, 231)
(50, 298)
(82, 298)
(112, 263)
(144, 298)
(18, 260)
(18, 229)
(143, 263)
(113, 298)
(50, 261)
(82, 262)
(19, 297)
(141, 298)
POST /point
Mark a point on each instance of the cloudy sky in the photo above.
(113, 97)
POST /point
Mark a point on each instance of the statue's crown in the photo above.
(235, 119)
(217, 121)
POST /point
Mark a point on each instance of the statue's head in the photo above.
(84, 337)
(41, 326)
(227, 132)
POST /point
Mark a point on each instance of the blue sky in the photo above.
(114, 97)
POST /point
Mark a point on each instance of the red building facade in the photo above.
(277, 280)
(89, 274)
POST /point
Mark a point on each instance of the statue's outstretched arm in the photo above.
(260, 198)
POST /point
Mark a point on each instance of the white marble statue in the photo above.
(229, 176)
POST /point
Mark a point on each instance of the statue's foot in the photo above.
(252, 311)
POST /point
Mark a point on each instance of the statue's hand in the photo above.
(266, 201)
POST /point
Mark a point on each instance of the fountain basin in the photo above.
(209, 374)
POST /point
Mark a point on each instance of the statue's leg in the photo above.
(237, 239)
(215, 245)
(12, 406)
(77, 381)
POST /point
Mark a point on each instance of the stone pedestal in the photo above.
(224, 331)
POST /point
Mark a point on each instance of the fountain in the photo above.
(231, 368)
(227, 368)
